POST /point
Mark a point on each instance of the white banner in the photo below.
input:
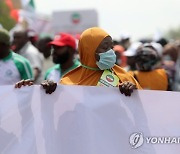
(74, 21)
(88, 120)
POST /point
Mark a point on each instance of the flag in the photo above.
(28, 5)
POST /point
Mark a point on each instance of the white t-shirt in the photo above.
(34, 56)
(14, 68)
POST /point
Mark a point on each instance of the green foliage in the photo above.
(5, 19)
(174, 33)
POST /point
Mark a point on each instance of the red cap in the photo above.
(64, 40)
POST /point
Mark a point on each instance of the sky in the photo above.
(139, 18)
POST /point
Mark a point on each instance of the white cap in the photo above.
(158, 47)
(132, 50)
(157, 36)
(124, 36)
(31, 33)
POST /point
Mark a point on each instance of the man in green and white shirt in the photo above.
(63, 50)
(13, 67)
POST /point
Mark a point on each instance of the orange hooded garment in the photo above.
(154, 80)
(88, 43)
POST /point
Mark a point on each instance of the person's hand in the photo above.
(49, 86)
(127, 88)
(21, 83)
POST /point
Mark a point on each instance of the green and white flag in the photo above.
(28, 5)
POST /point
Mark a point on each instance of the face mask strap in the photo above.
(90, 68)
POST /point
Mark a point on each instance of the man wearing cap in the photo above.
(13, 67)
(63, 50)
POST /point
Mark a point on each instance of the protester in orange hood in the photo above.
(94, 43)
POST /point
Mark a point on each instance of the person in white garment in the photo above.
(13, 67)
(23, 46)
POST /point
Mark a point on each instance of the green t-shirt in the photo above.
(55, 73)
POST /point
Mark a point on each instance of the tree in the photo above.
(174, 33)
(5, 19)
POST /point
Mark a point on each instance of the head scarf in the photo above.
(83, 75)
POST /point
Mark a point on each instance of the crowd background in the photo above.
(153, 61)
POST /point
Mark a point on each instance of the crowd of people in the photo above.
(96, 60)
(154, 64)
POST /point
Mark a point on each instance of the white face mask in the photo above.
(107, 60)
